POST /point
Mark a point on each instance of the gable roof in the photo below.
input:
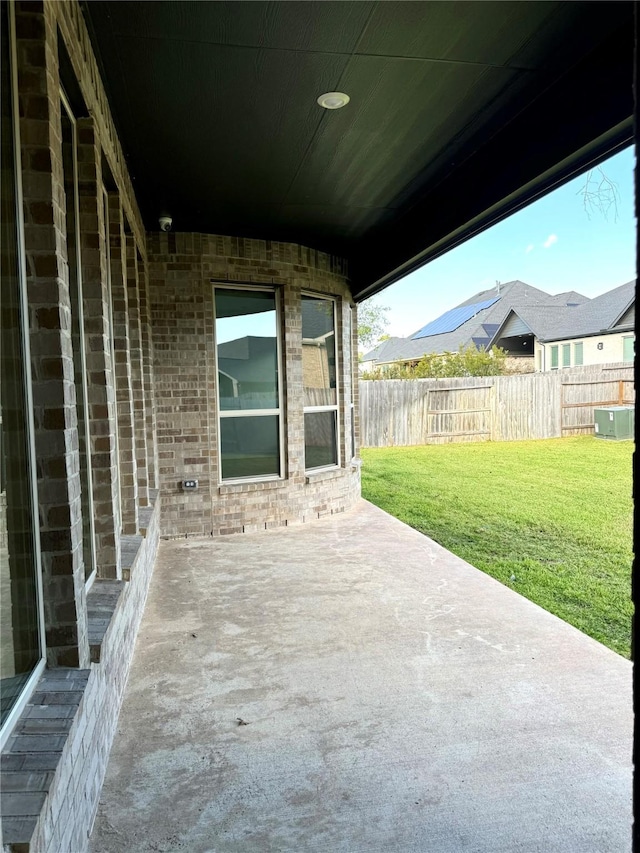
(591, 317)
(479, 329)
(379, 352)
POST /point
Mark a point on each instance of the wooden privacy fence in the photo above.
(404, 412)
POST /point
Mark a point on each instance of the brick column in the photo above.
(293, 412)
(54, 398)
(137, 374)
(124, 393)
(101, 388)
(147, 364)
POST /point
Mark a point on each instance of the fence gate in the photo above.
(459, 412)
(578, 400)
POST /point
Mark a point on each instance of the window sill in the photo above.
(34, 751)
(253, 486)
(326, 474)
(102, 601)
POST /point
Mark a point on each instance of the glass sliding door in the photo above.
(249, 387)
(21, 628)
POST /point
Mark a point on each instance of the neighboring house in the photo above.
(597, 331)
(473, 322)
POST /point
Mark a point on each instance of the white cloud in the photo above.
(551, 239)
(529, 248)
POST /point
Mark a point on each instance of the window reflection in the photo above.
(319, 375)
(248, 383)
(318, 352)
(249, 447)
(320, 448)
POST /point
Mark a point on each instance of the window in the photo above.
(628, 348)
(319, 377)
(349, 363)
(248, 365)
(554, 357)
(566, 355)
(578, 354)
(21, 629)
(72, 220)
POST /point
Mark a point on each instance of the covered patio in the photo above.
(349, 685)
(196, 197)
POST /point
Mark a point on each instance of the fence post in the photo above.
(493, 402)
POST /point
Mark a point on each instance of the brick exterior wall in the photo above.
(122, 373)
(61, 743)
(182, 269)
(148, 337)
(53, 386)
(54, 762)
(97, 324)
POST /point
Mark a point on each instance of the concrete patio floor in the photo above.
(395, 699)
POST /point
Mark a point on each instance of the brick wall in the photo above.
(55, 419)
(182, 268)
(152, 415)
(55, 763)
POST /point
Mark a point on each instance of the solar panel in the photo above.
(453, 319)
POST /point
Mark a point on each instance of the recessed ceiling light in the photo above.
(333, 100)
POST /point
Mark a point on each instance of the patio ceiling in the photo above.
(460, 113)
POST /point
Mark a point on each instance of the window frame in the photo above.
(309, 294)
(566, 355)
(351, 403)
(555, 356)
(31, 683)
(578, 348)
(243, 413)
(631, 338)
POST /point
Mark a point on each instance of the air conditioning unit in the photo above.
(615, 423)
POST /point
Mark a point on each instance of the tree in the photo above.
(465, 362)
(372, 321)
(600, 194)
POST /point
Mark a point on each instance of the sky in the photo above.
(553, 244)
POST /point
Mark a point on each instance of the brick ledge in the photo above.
(32, 754)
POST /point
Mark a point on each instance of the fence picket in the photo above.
(406, 412)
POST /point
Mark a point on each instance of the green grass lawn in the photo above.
(551, 519)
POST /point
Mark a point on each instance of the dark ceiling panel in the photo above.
(487, 33)
(593, 106)
(248, 115)
(459, 113)
(402, 114)
(319, 26)
(336, 225)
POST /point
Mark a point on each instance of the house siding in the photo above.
(612, 351)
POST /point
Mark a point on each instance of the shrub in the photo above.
(465, 362)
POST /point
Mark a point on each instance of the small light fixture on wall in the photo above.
(333, 100)
(600, 345)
